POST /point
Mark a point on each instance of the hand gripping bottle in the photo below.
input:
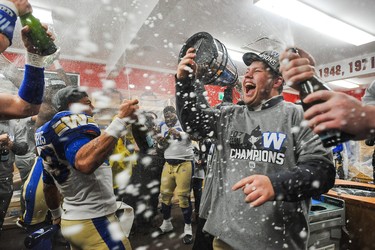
(330, 137)
(38, 35)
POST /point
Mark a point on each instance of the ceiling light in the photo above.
(319, 21)
(44, 15)
(344, 84)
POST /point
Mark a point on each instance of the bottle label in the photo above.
(4, 157)
(331, 138)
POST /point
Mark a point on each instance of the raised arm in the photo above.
(30, 94)
(195, 114)
(90, 156)
(9, 11)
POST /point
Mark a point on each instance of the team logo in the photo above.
(272, 57)
(258, 146)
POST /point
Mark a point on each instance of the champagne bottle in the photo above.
(38, 236)
(330, 137)
(38, 35)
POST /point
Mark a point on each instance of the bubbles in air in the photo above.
(78, 108)
(295, 129)
(108, 84)
(315, 184)
(140, 208)
(132, 189)
(87, 47)
(102, 101)
(66, 12)
(116, 157)
(303, 234)
(146, 161)
(109, 45)
(142, 248)
(89, 71)
(115, 231)
(122, 179)
(72, 230)
(304, 123)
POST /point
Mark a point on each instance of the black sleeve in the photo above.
(307, 180)
(195, 114)
(20, 148)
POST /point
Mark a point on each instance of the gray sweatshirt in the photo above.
(270, 142)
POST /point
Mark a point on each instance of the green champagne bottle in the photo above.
(38, 35)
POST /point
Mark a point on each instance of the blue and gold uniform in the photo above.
(89, 201)
(35, 204)
(177, 172)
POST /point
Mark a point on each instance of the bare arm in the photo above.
(53, 200)
(4, 43)
(29, 98)
(90, 156)
(52, 196)
(20, 7)
(12, 106)
(94, 153)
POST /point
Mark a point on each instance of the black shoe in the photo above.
(188, 239)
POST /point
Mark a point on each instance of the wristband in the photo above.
(56, 213)
(32, 86)
(8, 18)
(34, 60)
(116, 127)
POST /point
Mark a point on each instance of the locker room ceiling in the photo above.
(149, 34)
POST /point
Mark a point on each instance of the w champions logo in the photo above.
(258, 146)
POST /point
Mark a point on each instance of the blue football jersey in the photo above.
(54, 136)
(85, 195)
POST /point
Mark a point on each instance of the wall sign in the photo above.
(348, 68)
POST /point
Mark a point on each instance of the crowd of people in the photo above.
(251, 172)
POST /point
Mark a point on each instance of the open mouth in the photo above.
(249, 88)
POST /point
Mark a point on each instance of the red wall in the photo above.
(358, 93)
(92, 74)
(290, 97)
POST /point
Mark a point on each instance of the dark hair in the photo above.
(151, 113)
(169, 109)
(274, 76)
(66, 96)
